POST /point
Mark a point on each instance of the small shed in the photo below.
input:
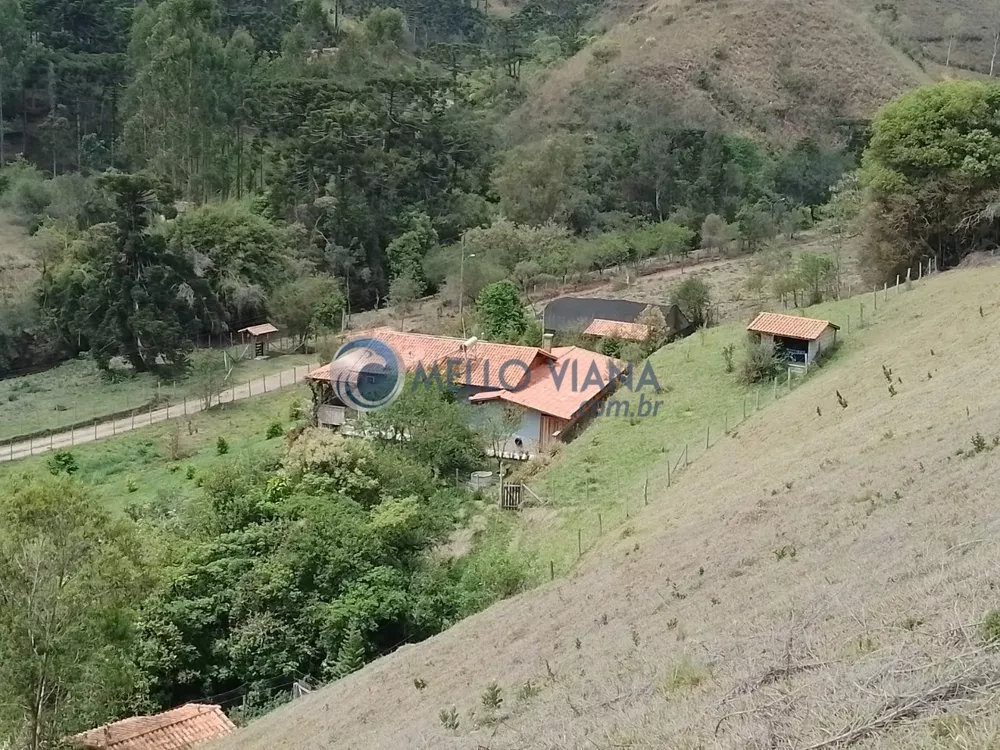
(260, 337)
(799, 340)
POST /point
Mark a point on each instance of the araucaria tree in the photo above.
(124, 292)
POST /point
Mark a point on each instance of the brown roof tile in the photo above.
(618, 330)
(562, 388)
(178, 729)
(789, 326)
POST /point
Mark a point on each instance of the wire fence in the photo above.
(599, 510)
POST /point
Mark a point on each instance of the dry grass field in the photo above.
(774, 68)
(818, 579)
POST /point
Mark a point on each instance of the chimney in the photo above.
(547, 342)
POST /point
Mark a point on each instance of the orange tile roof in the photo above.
(178, 729)
(564, 386)
(479, 365)
(617, 329)
(789, 326)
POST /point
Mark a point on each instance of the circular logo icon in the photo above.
(366, 374)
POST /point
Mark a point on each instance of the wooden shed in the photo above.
(259, 337)
(799, 340)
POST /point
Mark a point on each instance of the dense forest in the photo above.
(358, 145)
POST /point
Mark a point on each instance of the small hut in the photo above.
(260, 337)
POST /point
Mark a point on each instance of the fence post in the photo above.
(725, 431)
(848, 322)
(885, 290)
(897, 283)
(50, 441)
(789, 379)
(775, 387)
(744, 407)
(756, 400)
(249, 389)
(645, 485)
(579, 543)
(685, 454)
(150, 419)
(670, 460)
(875, 297)
(133, 418)
(552, 571)
(920, 272)
(600, 524)
(280, 373)
(708, 434)
(72, 435)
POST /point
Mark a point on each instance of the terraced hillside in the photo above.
(820, 578)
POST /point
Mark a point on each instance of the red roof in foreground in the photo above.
(178, 729)
(790, 326)
(561, 388)
(478, 365)
(617, 329)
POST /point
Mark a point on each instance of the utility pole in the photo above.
(461, 288)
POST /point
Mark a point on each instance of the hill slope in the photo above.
(783, 68)
(822, 570)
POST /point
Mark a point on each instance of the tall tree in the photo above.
(13, 53)
(69, 580)
(125, 292)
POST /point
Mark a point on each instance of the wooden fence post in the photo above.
(552, 571)
(645, 485)
(725, 430)
(775, 387)
(848, 322)
(685, 454)
(897, 283)
(756, 400)
(744, 407)
(708, 436)
(600, 524)
(789, 379)
(579, 542)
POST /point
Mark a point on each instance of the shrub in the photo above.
(221, 446)
(295, 410)
(978, 442)
(274, 430)
(62, 462)
(449, 718)
(189, 473)
(492, 697)
(131, 484)
(760, 361)
(990, 627)
(727, 356)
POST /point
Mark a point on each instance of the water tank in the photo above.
(481, 479)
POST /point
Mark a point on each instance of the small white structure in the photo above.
(799, 339)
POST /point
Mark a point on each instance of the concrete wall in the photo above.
(529, 429)
(822, 343)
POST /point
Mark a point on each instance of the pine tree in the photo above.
(351, 656)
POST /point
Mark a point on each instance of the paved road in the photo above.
(101, 430)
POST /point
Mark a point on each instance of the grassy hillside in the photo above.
(816, 579)
(159, 466)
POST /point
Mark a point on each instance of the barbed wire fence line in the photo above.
(598, 520)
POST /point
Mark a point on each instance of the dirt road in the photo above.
(136, 421)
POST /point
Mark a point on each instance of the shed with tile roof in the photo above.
(185, 727)
(799, 340)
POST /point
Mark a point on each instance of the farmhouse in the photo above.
(179, 729)
(605, 317)
(551, 389)
(799, 340)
